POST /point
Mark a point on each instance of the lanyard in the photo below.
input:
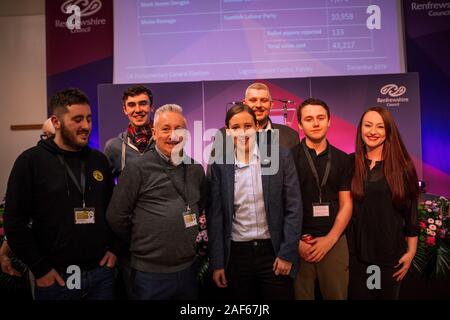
(183, 192)
(82, 187)
(314, 170)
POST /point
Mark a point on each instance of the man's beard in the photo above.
(69, 138)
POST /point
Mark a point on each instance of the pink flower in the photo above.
(202, 220)
(422, 225)
(430, 220)
(432, 233)
(432, 227)
(438, 223)
(204, 235)
(431, 241)
(428, 231)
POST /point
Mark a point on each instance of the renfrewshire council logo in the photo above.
(75, 10)
(394, 95)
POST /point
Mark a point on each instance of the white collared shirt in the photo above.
(249, 220)
(268, 126)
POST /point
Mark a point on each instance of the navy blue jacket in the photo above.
(282, 201)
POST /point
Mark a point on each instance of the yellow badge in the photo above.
(97, 175)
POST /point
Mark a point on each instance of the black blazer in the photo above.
(288, 137)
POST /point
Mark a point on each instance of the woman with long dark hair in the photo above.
(384, 229)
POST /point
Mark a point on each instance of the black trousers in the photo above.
(358, 288)
(250, 273)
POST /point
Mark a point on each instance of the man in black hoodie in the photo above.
(63, 187)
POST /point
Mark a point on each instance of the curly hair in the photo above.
(59, 102)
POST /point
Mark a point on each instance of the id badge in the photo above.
(190, 219)
(321, 209)
(84, 215)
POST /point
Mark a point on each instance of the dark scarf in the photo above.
(140, 136)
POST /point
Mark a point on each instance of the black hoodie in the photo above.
(40, 190)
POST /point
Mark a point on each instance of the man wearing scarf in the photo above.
(137, 139)
(137, 103)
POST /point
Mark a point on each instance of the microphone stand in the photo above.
(284, 108)
(285, 111)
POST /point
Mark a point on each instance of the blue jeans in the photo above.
(96, 284)
(182, 285)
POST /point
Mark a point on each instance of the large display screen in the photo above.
(195, 40)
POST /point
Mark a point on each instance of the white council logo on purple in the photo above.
(393, 90)
(395, 94)
(77, 9)
(87, 7)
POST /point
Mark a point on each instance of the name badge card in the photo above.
(321, 210)
(190, 219)
(84, 215)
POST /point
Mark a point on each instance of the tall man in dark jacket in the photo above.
(63, 187)
(258, 97)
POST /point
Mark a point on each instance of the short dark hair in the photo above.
(238, 108)
(137, 90)
(59, 102)
(311, 101)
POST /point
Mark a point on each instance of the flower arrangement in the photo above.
(201, 243)
(433, 249)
